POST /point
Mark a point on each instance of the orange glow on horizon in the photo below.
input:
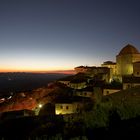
(65, 70)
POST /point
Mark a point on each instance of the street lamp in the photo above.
(40, 105)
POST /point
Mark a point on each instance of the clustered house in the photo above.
(126, 71)
(90, 83)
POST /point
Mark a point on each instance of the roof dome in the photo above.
(129, 49)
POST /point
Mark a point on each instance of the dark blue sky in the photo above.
(61, 34)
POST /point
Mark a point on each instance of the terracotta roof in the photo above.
(109, 63)
(129, 49)
(86, 89)
(66, 100)
(138, 62)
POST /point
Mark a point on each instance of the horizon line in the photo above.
(48, 71)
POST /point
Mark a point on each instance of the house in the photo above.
(110, 90)
(94, 71)
(85, 92)
(79, 81)
(82, 69)
(66, 108)
(66, 80)
(113, 69)
(78, 84)
(16, 114)
(72, 105)
(136, 69)
(130, 81)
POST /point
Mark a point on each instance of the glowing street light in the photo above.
(40, 105)
(9, 97)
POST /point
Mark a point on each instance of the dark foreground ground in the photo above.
(52, 127)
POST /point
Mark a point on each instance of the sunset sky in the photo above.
(44, 35)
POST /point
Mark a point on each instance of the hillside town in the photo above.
(110, 78)
(113, 85)
(81, 88)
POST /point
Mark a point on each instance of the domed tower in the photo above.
(125, 59)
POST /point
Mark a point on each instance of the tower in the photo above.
(125, 59)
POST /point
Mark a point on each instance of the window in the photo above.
(107, 92)
(61, 107)
(77, 110)
(67, 107)
(128, 86)
(138, 73)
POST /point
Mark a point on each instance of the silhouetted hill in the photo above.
(20, 82)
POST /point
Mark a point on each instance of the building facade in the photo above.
(136, 69)
(125, 59)
(127, 64)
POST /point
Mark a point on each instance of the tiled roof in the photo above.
(129, 49)
(72, 99)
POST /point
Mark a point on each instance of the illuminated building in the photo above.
(127, 63)
(102, 73)
(125, 59)
(130, 82)
(113, 68)
(65, 108)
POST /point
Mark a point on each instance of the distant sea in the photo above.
(15, 82)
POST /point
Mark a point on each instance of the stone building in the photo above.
(72, 105)
(127, 63)
(65, 108)
(125, 60)
(136, 69)
(102, 73)
(110, 89)
(85, 92)
(130, 82)
(112, 66)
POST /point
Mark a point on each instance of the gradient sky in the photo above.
(42, 35)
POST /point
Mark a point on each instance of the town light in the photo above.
(9, 97)
(40, 105)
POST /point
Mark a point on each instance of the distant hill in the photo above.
(20, 82)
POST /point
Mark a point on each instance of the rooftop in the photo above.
(129, 49)
(131, 79)
(89, 88)
(109, 63)
(75, 99)
(138, 62)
